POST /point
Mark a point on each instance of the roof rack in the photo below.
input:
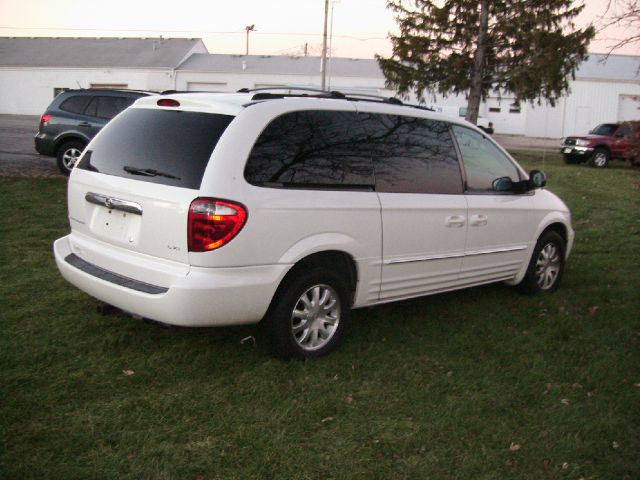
(263, 94)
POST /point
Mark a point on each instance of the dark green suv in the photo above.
(73, 119)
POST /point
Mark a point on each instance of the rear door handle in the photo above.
(84, 124)
(113, 203)
(455, 221)
(478, 220)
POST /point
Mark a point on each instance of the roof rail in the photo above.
(263, 94)
(283, 87)
(366, 96)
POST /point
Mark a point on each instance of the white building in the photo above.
(229, 73)
(34, 70)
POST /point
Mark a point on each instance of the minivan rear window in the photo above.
(157, 146)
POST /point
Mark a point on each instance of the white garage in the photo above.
(34, 70)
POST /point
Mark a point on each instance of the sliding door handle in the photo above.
(455, 221)
(478, 220)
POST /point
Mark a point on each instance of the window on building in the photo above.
(109, 86)
(494, 109)
(206, 87)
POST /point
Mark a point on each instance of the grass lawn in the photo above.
(477, 384)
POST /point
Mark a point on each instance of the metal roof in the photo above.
(625, 68)
(170, 52)
(95, 52)
(282, 65)
(615, 67)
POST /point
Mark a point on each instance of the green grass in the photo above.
(439, 387)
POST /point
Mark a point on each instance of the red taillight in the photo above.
(45, 118)
(168, 102)
(213, 223)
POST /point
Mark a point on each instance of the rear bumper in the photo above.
(44, 144)
(201, 297)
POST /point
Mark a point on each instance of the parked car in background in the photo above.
(461, 112)
(75, 117)
(290, 210)
(603, 143)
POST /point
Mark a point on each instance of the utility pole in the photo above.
(330, 52)
(323, 67)
(249, 28)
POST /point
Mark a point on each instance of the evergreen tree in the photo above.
(527, 48)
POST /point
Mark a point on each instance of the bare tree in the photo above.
(623, 14)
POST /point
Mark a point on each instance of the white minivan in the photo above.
(291, 209)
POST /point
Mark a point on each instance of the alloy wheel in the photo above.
(315, 317)
(548, 266)
(70, 157)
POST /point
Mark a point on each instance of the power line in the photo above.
(202, 33)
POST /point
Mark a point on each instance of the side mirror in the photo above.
(502, 184)
(537, 179)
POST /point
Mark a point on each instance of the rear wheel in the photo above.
(308, 315)
(546, 266)
(600, 158)
(68, 155)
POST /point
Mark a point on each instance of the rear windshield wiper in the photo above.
(149, 172)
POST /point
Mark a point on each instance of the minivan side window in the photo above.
(412, 155)
(483, 161)
(311, 149)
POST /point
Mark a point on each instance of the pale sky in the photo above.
(360, 27)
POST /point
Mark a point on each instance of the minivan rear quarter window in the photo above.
(157, 146)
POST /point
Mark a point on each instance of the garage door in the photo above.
(628, 107)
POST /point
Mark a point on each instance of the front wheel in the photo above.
(68, 155)
(546, 266)
(308, 315)
(600, 158)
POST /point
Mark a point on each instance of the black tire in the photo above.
(324, 298)
(600, 158)
(68, 155)
(546, 266)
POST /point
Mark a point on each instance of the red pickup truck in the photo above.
(606, 141)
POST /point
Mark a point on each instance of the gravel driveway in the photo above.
(18, 157)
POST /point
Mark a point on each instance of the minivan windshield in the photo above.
(169, 147)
